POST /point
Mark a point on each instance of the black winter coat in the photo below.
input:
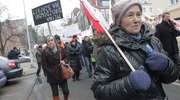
(13, 54)
(111, 74)
(87, 48)
(39, 56)
(74, 53)
(51, 64)
(167, 35)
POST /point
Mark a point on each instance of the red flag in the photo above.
(94, 16)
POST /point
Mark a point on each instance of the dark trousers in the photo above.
(76, 75)
(55, 88)
(39, 69)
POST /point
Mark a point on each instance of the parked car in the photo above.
(10, 68)
(23, 59)
(3, 78)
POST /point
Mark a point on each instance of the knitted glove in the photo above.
(157, 61)
(140, 80)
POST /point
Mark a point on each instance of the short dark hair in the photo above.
(57, 37)
(163, 15)
(74, 36)
(14, 47)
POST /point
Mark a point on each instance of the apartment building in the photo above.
(101, 5)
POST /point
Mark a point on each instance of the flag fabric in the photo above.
(95, 17)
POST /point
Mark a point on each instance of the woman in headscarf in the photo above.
(51, 57)
(114, 80)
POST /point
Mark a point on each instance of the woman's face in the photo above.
(50, 42)
(131, 21)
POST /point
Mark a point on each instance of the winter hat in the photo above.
(73, 40)
(120, 7)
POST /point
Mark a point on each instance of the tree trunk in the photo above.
(2, 52)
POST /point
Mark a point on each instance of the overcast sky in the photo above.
(16, 9)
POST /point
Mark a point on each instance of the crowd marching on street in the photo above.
(153, 55)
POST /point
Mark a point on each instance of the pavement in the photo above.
(24, 88)
(29, 68)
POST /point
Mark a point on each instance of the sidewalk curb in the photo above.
(28, 74)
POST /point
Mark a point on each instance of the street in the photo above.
(113, 34)
(20, 88)
(173, 91)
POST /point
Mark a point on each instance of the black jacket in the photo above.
(87, 48)
(13, 54)
(111, 82)
(74, 52)
(167, 35)
(39, 55)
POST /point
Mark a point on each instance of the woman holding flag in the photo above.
(114, 79)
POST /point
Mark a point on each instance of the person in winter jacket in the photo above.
(113, 78)
(51, 64)
(14, 53)
(58, 41)
(39, 59)
(74, 58)
(87, 51)
(167, 33)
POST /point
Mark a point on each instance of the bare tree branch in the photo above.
(13, 35)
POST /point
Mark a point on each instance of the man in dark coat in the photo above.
(167, 33)
(14, 53)
(39, 59)
(87, 50)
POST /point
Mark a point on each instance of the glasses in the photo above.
(132, 16)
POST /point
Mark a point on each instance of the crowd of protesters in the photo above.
(154, 56)
(74, 53)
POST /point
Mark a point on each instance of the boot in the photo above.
(65, 97)
(56, 98)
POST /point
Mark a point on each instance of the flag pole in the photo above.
(110, 37)
(118, 48)
(49, 28)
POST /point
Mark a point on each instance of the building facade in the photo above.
(172, 6)
(101, 5)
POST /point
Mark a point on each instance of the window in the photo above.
(174, 1)
(103, 3)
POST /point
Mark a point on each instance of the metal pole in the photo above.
(27, 32)
(49, 28)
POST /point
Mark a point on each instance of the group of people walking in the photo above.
(154, 56)
(50, 57)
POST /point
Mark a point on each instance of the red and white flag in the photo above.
(95, 17)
